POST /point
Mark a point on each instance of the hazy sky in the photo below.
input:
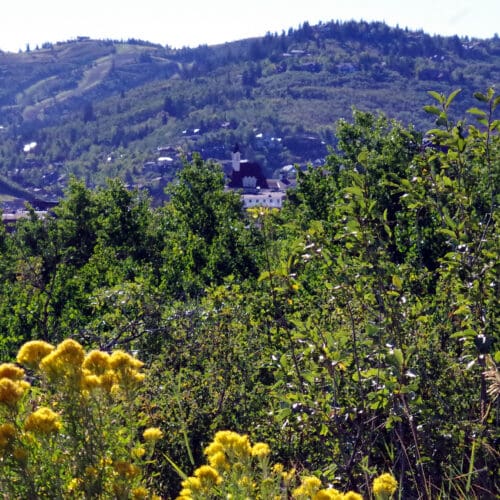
(193, 22)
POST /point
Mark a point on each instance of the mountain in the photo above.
(103, 108)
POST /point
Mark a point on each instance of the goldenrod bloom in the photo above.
(385, 485)
(218, 460)
(152, 434)
(351, 495)
(138, 452)
(43, 421)
(278, 468)
(126, 469)
(74, 485)
(192, 484)
(97, 362)
(208, 476)
(7, 435)
(329, 494)
(185, 494)
(108, 380)
(234, 443)
(91, 471)
(12, 391)
(31, 353)
(140, 493)
(120, 360)
(309, 486)
(260, 450)
(65, 361)
(10, 370)
(91, 382)
(213, 448)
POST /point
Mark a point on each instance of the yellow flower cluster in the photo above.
(228, 447)
(385, 485)
(11, 391)
(232, 472)
(203, 481)
(310, 488)
(11, 371)
(152, 434)
(31, 353)
(68, 364)
(64, 362)
(126, 469)
(73, 385)
(43, 421)
(7, 435)
(260, 450)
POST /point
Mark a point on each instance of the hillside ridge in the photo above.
(101, 108)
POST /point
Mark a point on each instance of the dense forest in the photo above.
(351, 335)
(102, 109)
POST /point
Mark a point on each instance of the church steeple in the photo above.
(236, 157)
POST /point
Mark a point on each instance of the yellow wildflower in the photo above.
(328, 494)
(12, 391)
(91, 382)
(385, 485)
(64, 361)
(7, 435)
(351, 495)
(152, 434)
(278, 468)
(185, 494)
(120, 360)
(97, 362)
(126, 469)
(218, 460)
(108, 380)
(31, 353)
(74, 485)
(260, 450)
(288, 476)
(213, 448)
(234, 443)
(309, 486)
(43, 421)
(138, 452)
(207, 475)
(140, 493)
(11, 371)
(192, 484)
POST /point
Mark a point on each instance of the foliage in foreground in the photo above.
(239, 470)
(73, 430)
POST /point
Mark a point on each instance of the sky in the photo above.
(180, 23)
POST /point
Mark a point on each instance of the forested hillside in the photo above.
(102, 109)
(355, 332)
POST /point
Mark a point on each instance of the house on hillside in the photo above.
(247, 177)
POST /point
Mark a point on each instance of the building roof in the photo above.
(247, 169)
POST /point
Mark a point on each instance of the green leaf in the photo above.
(439, 97)
(395, 358)
(452, 96)
(477, 112)
(463, 309)
(433, 110)
(464, 333)
(480, 97)
(397, 282)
